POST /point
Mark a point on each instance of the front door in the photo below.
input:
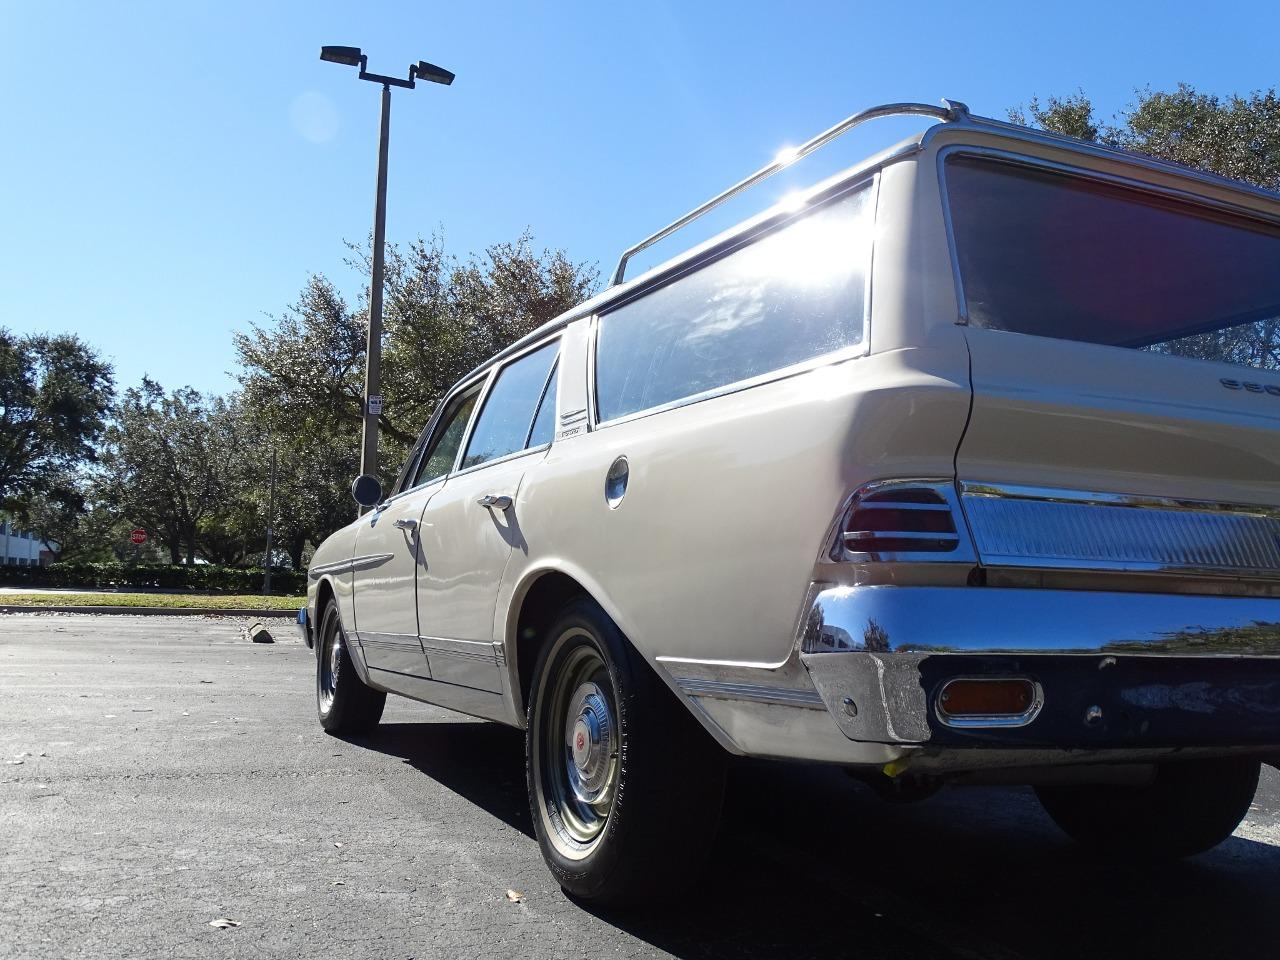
(390, 559)
(387, 558)
(471, 526)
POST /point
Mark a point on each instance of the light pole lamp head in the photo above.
(429, 71)
(347, 56)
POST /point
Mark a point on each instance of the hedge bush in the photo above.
(200, 578)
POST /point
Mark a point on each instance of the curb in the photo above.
(152, 611)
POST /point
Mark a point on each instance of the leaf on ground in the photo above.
(515, 896)
(224, 923)
(337, 844)
(338, 883)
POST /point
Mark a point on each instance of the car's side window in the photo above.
(791, 296)
(544, 424)
(443, 448)
(504, 423)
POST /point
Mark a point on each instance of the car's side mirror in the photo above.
(366, 490)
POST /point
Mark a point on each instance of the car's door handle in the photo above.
(406, 523)
(501, 502)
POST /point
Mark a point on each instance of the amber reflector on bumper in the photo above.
(988, 701)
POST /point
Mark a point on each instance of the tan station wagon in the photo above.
(961, 466)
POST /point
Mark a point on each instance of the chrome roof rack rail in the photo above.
(950, 110)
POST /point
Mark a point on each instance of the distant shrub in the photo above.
(199, 578)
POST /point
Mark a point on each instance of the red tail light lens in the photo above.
(901, 520)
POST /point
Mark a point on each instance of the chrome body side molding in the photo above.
(758, 692)
(355, 563)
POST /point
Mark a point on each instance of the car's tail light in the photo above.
(894, 519)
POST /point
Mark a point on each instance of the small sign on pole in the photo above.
(375, 405)
(138, 537)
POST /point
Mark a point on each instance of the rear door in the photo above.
(473, 523)
(1125, 350)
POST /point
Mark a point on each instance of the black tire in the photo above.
(659, 776)
(343, 701)
(1186, 809)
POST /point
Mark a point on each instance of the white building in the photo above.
(21, 548)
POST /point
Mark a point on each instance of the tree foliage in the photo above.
(443, 315)
(55, 393)
(170, 461)
(1235, 136)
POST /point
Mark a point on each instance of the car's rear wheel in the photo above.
(1187, 808)
(624, 785)
(343, 701)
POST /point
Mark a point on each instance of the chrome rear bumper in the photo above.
(1119, 677)
(1117, 671)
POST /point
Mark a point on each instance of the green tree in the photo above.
(170, 461)
(55, 392)
(1235, 136)
(303, 372)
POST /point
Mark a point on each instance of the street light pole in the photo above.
(373, 355)
(352, 57)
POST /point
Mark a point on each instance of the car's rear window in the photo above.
(1053, 254)
(794, 294)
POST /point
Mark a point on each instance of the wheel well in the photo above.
(545, 599)
(324, 596)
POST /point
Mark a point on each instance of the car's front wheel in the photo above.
(625, 787)
(1187, 808)
(343, 701)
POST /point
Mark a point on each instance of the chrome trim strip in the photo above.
(355, 563)
(1019, 526)
(390, 639)
(461, 649)
(950, 111)
(995, 620)
(760, 693)
(1063, 495)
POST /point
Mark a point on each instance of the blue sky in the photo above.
(171, 172)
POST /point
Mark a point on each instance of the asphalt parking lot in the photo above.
(158, 774)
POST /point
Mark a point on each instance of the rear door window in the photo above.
(507, 417)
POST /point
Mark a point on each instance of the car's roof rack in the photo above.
(950, 110)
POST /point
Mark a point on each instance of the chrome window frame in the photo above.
(818, 200)
(1014, 158)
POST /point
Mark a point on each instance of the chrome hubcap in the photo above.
(590, 743)
(579, 757)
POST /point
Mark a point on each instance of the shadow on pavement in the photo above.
(809, 863)
(483, 762)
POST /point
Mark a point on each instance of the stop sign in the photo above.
(138, 537)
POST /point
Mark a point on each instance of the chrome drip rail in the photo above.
(951, 110)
